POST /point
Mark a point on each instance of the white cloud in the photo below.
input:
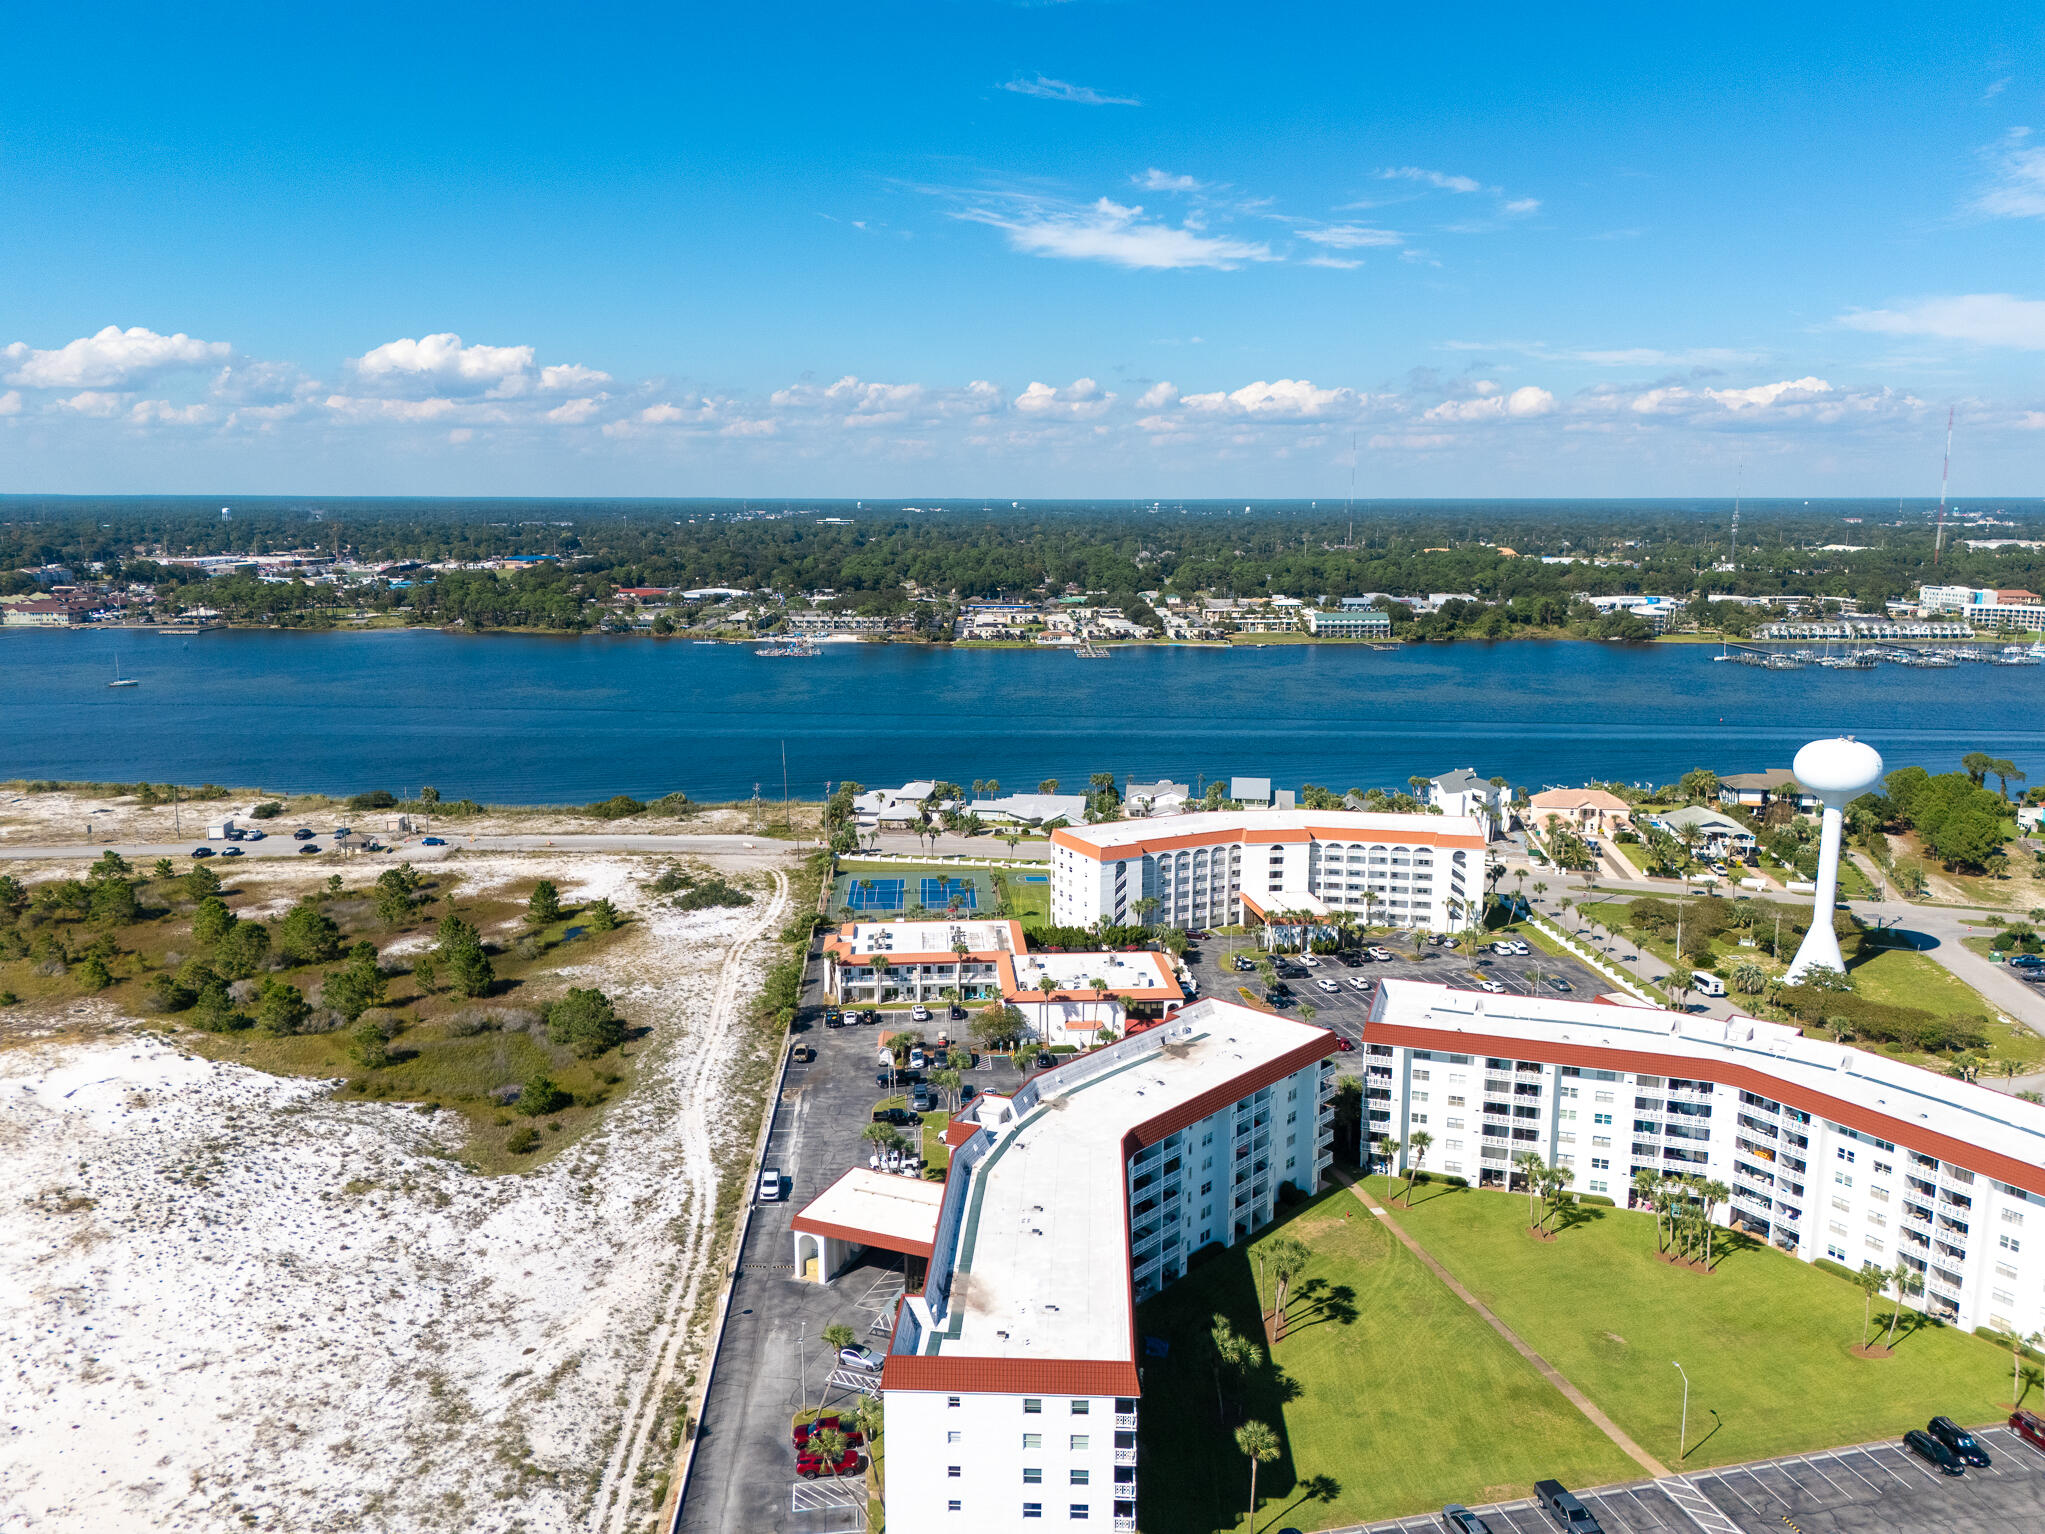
(751, 428)
(1523, 205)
(263, 383)
(574, 412)
(1155, 180)
(111, 358)
(1352, 236)
(161, 412)
(566, 377)
(1047, 89)
(442, 362)
(1490, 405)
(355, 410)
(10, 402)
(93, 402)
(1081, 400)
(1433, 178)
(1122, 236)
(2016, 187)
(1339, 263)
(663, 415)
(1985, 319)
(1789, 390)
(1287, 397)
(1158, 396)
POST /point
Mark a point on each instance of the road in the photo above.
(280, 844)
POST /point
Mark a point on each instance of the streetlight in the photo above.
(1683, 1432)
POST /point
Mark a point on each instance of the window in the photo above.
(1032, 1405)
(1206, 1188)
(1836, 1253)
(1033, 1510)
(1604, 1097)
(1080, 1408)
(1600, 1164)
(1457, 1102)
(1079, 1510)
(1033, 1440)
(1421, 1075)
(953, 1436)
(1080, 1477)
(951, 1400)
(951, 1472)
(952, 1506)
(2004, 1270)
(1033, 1475)
(2008, 1242)
(1844, 1155)
(1569, 1091)
(1883, 1166)
(1597, 1187)
(1879, 1195)
(2012, 1217)
(1840, 1203)
(1601, 1118)
(1568, 1115)
(1877, 1219)
(1874, 1243)
(1079, 1441)
(1836, 1228)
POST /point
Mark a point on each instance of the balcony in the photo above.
(1767, 1131)
(1125, 1456)
(1125, 1525)
(1126, 1420)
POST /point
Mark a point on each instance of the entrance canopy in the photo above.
(873, 1209)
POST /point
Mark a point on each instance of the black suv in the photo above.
(1933, 1453)
(1958, 1439)
(1560, 1504)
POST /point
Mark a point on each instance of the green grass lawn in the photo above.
(1905, 978)
(1028, 903)
(1765, 1338)
(1391, 1396)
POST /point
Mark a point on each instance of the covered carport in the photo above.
(865, 1209)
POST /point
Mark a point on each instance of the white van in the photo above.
(1707, 984)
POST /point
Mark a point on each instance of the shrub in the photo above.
(1836, 1269)
(375, 799)
(369, 1046)
(545, 905)
(585, 1020)
(710, 894)
(540, 1097)
(281, 1009)
(1596, 1198)
(617, 807)
(94, 975)
(521, 1140)
(602, 916)
(269, 809)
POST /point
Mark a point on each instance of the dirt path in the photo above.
(1549, 1372)
(614, 1503)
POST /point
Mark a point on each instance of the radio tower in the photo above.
(1938, 543)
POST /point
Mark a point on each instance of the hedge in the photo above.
(1597, 1198)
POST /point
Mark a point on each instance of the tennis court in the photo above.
(871, 894)
(947, 891)
(911, 891)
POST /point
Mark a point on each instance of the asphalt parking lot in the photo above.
(1877, 1488)
(770, 1363)
(1345, 1008)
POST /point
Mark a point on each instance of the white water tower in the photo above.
(1838, 772)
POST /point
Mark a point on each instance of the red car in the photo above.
(2030, 1427)
(803, 1430)
(1344, 1045)
(810, 1466)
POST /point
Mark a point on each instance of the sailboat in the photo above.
(119, 680)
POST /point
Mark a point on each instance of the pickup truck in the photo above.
(1561, 1505)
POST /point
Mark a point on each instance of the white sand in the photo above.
(205, 1330)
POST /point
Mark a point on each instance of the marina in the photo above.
(1869, 657)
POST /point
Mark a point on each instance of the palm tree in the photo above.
(1416, 1144)
(1288, 1257)
(1260, 1446)
(2017, 1345)
(1554, 1180)
(1713, 1193)
(948, 1082)
(1389, 1149)
(1647, 1186)
(835, 1336)
(1233, 1353)
(870, 1417)
(1531, 1167)
(979, 787)
(1144, 907)
(1872, 1281)
(960, 948)
(1050, 988)
(1903, 1279)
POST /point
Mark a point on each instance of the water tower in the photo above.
(1838, 772)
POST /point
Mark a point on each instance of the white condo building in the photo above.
(1830, 1152)
(1013, 1380)
(1260, 865)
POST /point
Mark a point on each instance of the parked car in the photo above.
(801, 1054)
(884, 1077)
(1349, 960)
(1043, 1059)
(804, 1431)
(254, 836)
(901, 1117)
(307, 848)
(302, 835)
(433, 841)
(2029, 1426)
(922, 1100)
(1279, 991)
(1561, 1505)
(917, 1059)
(1959, 1440)
(1242, 964)
(1933, 1453)
(1381, 955)
(1458, 1519)
(770, 1185)
(231, 852)
(919, 1013)
(2026, 961)
(810, 1466)
(833, 1018)
(857, 1357)
(1329, 986)
(955, 1013)
(1309, 961)
(1492, 986)
(1358, 983)
(343, 831)
(1557, 983)
(1344, 1044)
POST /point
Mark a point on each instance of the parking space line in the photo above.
(1819, 1471)
(1730, 1490)
(1654, 1515)
(1875, 1460)
(1838, 1457)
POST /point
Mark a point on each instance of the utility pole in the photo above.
(1683, 1430)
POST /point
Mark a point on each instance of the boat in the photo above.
(119, 680)
(792, 648)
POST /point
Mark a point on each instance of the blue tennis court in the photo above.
(943, 891)
(877, 894)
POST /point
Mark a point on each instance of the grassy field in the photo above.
(1028, 903)
(1389, 1394)
(1765, 1338)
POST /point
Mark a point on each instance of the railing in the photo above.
(1759, 1127)
(1126, 1420)
(1125, 1456)
(1125, 1526)
(1916, 1221)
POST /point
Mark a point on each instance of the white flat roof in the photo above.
(1042, 1270)
(1975, 1115)
(1078, 971)
(898, 1210)
(867, 937)
(1249, 825)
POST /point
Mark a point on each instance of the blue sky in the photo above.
(1074, 249)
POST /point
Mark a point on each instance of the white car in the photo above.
(857, 1357)
(917, 1059)
(1309, 961)
(1358, 983)
(919, 1013)
(1329, 986)
(1381, 955)
(770, 1185)
(1492, 986)
(1504, 947)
